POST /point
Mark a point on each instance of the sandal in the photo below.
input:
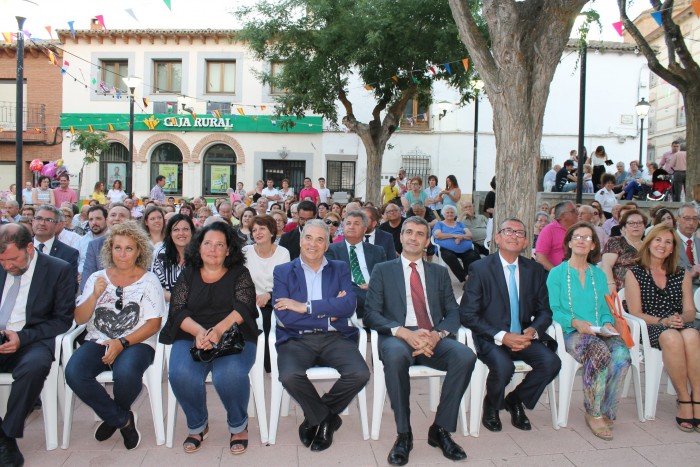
(193, 444)
(239, 445)
(603, 432)
(696, 421)
(608, 422)
(688, 421)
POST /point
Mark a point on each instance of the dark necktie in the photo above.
(367, 237)
(41, 247)
(418, 298)
(689, 251)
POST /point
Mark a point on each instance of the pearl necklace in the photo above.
(568, 289)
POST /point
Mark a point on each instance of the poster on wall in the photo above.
(115, 171)
(169, 171)
(220, 177)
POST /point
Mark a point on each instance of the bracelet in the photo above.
(611, 283)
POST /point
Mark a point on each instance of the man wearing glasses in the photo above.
(549, 251)
(306, 211)
(44, 226)
(505, 304)
(690, 243)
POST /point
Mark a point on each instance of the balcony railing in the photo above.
(34, 117)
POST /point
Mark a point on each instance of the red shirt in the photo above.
(312, 192)
(62, 196)
(550, 243)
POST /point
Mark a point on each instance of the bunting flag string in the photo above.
(72, 29)
(130, 11)
(167, 3)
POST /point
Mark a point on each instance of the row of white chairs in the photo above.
(56, 390)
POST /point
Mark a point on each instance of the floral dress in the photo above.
(626, 258)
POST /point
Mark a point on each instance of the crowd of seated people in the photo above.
(207, 269)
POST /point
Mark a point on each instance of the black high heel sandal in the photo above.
(689, 421)
(239, 446)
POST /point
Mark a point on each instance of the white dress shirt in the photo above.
(48, 244)
(18, 317)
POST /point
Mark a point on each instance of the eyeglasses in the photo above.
(685, 218)
(508, 232)
(45, 219)
(587, 238)
(634, 223)
(333, 223)
(119, 304)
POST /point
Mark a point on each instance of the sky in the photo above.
(187, 14)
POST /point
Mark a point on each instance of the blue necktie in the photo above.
(10, 300)
(513, 295)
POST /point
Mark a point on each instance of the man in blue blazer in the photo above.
(118, 213)
(410, 303)
(360, 256)
(44, 225)
(506, 306)
(37, 300)
(314, 301)
(378, 237)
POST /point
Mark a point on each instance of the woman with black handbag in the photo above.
(212, 328)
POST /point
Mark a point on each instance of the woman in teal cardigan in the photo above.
(577, 291)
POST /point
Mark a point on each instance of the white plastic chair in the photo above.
(478, 388)
(569, 367)
(152, 379)
(414, 371)
(278, 393)
(696, 299)
(257, 384)
(49, 395)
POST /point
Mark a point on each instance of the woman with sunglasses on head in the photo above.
(213, 293)
(620, 253)
(122, 305)
(577, 291)
(169, 259)
(659, 291)
(333, 222)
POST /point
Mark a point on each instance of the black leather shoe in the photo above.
(10, 456)
(402, 448)
(324, 435)
(438, 437)
(490, 418)
(307, 433)
(517, 414)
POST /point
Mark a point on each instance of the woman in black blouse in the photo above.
(169, 259)
(213, 292)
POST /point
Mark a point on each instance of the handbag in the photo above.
(231, 343)
(615, 305)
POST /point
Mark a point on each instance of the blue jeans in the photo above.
(230, 378)
(128, 370)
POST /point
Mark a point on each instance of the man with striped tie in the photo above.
(359, 255)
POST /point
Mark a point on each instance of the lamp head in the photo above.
(642, 108)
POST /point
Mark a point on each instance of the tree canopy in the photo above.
(389, 46)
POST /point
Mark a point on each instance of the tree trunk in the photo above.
(692, 134)
(527, 42)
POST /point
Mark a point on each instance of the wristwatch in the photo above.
(124, 342)
(308, 307)
(443, 334)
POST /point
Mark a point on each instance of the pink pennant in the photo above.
(48, 28)
(618, 27)
(100, 19)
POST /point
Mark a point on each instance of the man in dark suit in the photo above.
(378, 237)
(313, 300)
(359, 255)
(690, 243)
(306, 210)
(36, 304)
(44, 225)
(505, 304)
(410, 303)
(118, 213)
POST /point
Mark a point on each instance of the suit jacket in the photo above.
(385, 305)
(685, 263)
(386, 241)
(485, 307)
(68, 254)
(290, 282)
(93, 260)
(50, 303)
(374, 254)
(290, 241)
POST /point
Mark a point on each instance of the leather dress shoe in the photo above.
(10, 456)
(489, 417)
(324, 435)
(402, 448)
(517, 414)
(307, 433)
(438, 437)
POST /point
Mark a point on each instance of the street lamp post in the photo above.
(581, 123)
(478, 85)
(642, 109)
(19, 113)
(131, 83)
